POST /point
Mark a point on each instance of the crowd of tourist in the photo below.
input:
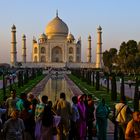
(27, 118)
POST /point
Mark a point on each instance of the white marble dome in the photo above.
(57, 27)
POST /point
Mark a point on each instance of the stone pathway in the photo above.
(129, 92)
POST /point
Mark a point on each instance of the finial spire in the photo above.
(57, 13)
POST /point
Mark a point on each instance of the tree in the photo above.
(107, 60)
(136, 96)
(132, 47)
(127, 53)
(137, 60)
(109, 57)
(97, 80)
(113, 88)
(113, 52)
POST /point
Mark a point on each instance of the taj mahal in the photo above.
(57, 47)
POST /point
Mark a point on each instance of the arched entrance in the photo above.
(56, 54)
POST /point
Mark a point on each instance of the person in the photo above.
(81, 126)
(64, 111)
(90, 117)
(22, 103)
(123, 116)
(14, 127)
(11, 102)
(129, 83)
(102, 112)
(30, 97)
(40, 107)
(133, 127)
(74, 119)
(2, 112)
(44, 125)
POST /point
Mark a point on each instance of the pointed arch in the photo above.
(56, 54)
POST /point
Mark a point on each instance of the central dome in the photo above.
(57, 27)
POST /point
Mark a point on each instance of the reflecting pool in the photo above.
(54, 86)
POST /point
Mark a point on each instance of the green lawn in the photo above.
(102, 93)
(1, 77)
(26, 88)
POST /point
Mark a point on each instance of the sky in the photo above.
(119, 19)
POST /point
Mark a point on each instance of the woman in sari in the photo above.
(82, 119)
(102, 112)
(44, 125)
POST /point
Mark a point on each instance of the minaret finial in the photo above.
(57, 13)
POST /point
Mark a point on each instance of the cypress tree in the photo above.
(97, 80)
(113, 88)
(122, 92)
(136, 96)
(93, 78)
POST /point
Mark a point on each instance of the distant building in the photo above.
(57, 46)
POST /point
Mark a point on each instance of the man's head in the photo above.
(13, 93)
(136, 116)
(89, 97)
(44, 99)
(84, 96)
(30, 96)
(103, 101)
(74, 99)
(15, 114)
(62, 95)
(23, 96)
(123, 99)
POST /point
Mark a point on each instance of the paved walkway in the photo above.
(129, 91)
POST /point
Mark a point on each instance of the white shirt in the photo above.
(75, 113)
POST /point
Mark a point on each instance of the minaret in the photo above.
(99, 62)
(57, 13)
(24, 48)
(89, 50)
(13, 46)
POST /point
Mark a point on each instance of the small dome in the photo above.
(70, 37)
(23, 36)
(89, 37)
(34, 40)
(99, 28)
(43, 36)
(57, 27)
(13, 27)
